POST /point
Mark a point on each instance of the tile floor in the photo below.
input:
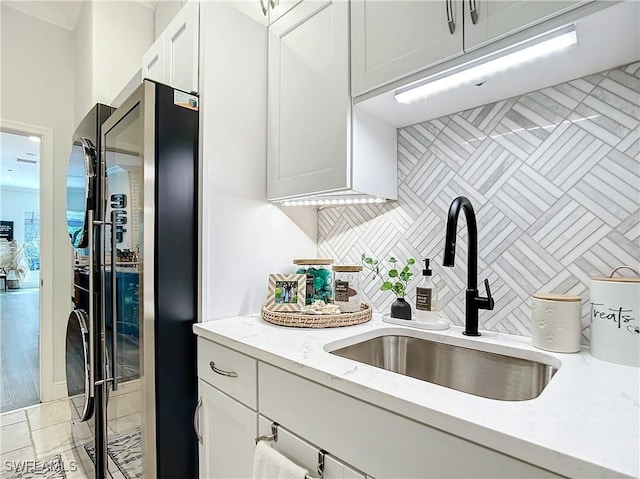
(46, 429)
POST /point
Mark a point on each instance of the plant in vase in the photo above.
(397, 282)
(14, 260)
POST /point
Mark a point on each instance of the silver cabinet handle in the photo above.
(196, 420)
(473, 11)
(229, 374)
(264, 9)
(450, 22)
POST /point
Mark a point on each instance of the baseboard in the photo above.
(59, 390)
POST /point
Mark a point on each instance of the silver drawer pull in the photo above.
(230, 374)
(196, 421)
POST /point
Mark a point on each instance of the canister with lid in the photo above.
(318, 278)
(615, 323)
(555, 322)
(346, 287)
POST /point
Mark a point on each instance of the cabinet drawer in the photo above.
(228, 370)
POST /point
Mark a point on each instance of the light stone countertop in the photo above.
(585, 423)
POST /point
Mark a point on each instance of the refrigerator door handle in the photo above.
(196, 420)
(92, 376)
(114, 303)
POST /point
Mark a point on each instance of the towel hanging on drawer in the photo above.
(270, 464)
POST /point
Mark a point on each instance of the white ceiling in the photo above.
(14, 173)
(61, 13)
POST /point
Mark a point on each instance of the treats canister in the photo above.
(346, 287)
(318, 278)
(615, 328)
(555, 322)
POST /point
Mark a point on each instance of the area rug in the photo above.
(48, 468)
(125, 449)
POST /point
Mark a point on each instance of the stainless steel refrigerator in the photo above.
(131, 353)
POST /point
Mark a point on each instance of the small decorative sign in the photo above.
(6, 230)
(287, 292)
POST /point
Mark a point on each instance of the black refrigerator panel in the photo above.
(176, 286)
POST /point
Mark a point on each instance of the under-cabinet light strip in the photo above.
(333, 201)
(479, 70)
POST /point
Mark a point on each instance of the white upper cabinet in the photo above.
(257, 10)
(181, 40)
(391, 39)
(173, 58)
(153, 62)
(317, 142)
(280, 7)
(309, 101)
(495, 19)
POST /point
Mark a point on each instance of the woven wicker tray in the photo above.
(301, 320)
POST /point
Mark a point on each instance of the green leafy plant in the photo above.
(398, 277)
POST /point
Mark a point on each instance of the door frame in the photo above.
(45, 354)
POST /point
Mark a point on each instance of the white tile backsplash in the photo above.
(554, 177)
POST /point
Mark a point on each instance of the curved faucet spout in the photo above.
(462, 203)
(473, 301)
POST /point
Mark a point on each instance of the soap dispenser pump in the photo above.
(426, 297)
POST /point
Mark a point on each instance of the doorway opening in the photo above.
(19, 270)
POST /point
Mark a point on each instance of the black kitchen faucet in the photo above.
(474, 302)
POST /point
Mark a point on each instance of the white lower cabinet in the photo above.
(361, 440)
(228, 430)
(374, 440)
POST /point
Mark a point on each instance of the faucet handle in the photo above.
(486, 303)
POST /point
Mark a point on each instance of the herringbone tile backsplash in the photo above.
(554, 177)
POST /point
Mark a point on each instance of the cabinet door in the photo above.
(304, 454)
(391, 39)
(499, 18)
(258, 10)
(280, 7)
(309, 102)
(228, 431)
(153, 62)
(181, 48)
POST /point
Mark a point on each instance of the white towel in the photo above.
(270, 464)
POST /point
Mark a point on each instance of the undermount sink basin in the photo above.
(482, 373)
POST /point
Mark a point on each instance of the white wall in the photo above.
(110, 40)
(123, 32)
(13, 203)
(37, 88)
(244, 238)
(83, 62)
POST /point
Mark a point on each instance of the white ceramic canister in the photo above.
(615, 327)
(555, 322)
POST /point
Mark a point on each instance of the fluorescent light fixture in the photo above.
(333, 201)
(479, 70)
(35, 139)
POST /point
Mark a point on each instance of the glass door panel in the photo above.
(123, 208)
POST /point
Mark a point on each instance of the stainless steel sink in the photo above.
(481, 373)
